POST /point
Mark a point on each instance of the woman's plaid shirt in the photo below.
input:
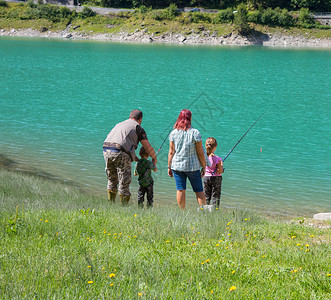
(186, 157)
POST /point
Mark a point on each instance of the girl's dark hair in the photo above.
(184, 120)
(210, 144)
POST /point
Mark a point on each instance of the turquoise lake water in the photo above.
(59, 100)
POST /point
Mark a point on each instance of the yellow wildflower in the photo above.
(111, 284)
(232, 288)
(212, 291)
(140, 294)
(229, 233)
(194, 244)
(298, 244)
(233, 271)
(328, 275)
(89, 266)
(307, 250)
(226, 247)
(293, 236)
(307, 245)
(312, 235)
(263, 255)
(246, 219)
(217, 245)
(90, 281)
(46, 221)
(135, 215)
(207, 260)
(115, 233)
(167, 241)
(112, 275)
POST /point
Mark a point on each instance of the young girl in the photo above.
(212, 181)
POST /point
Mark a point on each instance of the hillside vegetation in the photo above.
(242, 20)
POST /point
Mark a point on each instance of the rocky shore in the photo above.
(203, 37)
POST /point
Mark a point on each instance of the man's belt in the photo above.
(114, 147)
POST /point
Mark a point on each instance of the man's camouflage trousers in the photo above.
(118, 170)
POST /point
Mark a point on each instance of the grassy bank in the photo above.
(57, 242)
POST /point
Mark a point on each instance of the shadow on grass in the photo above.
(14, 166)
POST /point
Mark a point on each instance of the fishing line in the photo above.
(240, 140)
(242, 137)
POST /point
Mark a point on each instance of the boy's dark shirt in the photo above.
(144, 168)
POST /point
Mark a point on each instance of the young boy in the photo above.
(145, 180)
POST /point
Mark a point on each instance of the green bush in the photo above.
(198, 17)
(305, 19)
(65, 12)
(143, 9)
(86, 13)
(241, 19)
(285, 18)
(3, 3)
(169, 13)
(276, 17)
(255, 16)
(224, 16)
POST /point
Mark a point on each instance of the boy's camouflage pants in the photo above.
(118, 170)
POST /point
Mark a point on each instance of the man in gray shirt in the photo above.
(119, 152)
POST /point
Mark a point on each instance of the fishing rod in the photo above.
(163, 142)
(242, 138)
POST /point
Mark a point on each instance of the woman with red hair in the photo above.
(186, 157)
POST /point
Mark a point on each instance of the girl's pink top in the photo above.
(214, 160)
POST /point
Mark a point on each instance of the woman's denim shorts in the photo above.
(194, 178)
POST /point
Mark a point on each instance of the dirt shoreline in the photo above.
(201, 38)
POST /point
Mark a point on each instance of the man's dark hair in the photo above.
(136, 114)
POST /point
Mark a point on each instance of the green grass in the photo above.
(59, 242)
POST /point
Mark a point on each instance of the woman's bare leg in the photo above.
(201, 198)
(181, 199)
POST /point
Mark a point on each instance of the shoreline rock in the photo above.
(202, 38)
